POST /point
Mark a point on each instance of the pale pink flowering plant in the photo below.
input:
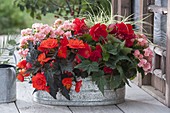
(144, 55)
(41, 31)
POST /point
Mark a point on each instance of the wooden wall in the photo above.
(168, 59)
(158, 82)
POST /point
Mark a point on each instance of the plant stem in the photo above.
(68, 4)
(80, 6)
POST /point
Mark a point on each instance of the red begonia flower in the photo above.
(76, 44)
(97, 31)
(67, 82)
(39, 81)
(78, 86)
(85, 52)
(62, 52)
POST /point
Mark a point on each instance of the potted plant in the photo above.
(95, 60)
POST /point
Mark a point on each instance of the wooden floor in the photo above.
(137, 101)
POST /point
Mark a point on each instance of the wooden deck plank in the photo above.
(8, 108)
(138, 101)
(25, 103)
(97, 109)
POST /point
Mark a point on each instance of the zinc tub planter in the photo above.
(7, 83)
(89, 95)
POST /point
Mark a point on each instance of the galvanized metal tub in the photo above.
(7, 83)
(89, 95)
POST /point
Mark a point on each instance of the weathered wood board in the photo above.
(25, 103)
(8, 108)
(138, 101)
(99, 109)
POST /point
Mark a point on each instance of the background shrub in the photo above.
(11, 18)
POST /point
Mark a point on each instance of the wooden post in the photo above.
(119, 10)
(121, 7)
(167, 95)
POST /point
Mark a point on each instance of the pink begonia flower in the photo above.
(24, 40)
(142, 62)
(59, 32)
(46, 29)
(140, 56)
(147, 67)
(37, 26)
(67, 34)
(143, 36)
(136, 53)
(52, 34)
(26, 32)
(67, 25)
(149, 59)
(58, 22)
(71, 26)
(148, 52)
(142, 42)
(39, 36)
(23, 53)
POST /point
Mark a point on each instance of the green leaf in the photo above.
(32, 56)
(43, 10)
(115, 81)
(52, 83)
(112, 62)
(32, 14)
(105, 56)
(65, 66)
(11, 52)
(141, 71)
(84, 74)
(120, 70)
(99, 80)
(21, 7)
(87, 37)
(12, 42)
(38, 16)
(110, 49)
(6, 62)
(97, 75)
(126, 50)
(119, 58)
(122, 45)
(35, 90)
(126, 81)
(88, 66)
(65, 93)
(131, 73)
(113, 51)
(113, 39)
(122, 75)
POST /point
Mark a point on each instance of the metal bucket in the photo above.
(7, 83)
(89, 95)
